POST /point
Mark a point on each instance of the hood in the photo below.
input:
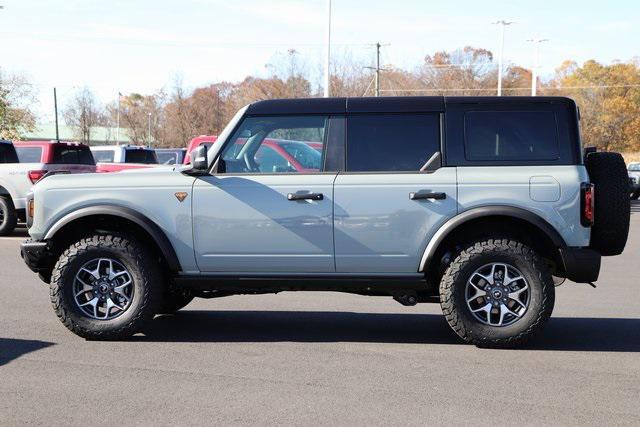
(145, 177)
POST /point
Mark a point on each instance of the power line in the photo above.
(512, 88)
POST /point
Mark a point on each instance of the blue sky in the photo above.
(140, 45)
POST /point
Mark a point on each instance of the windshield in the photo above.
(146, 157)
(305, 155)
(634, 167)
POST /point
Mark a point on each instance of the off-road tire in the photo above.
(10, 218)
(532, 267)
(147, 282)
(174, 300)
(608, 172)
(635, 195)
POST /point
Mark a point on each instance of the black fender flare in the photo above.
(159, 237)
(486, 211)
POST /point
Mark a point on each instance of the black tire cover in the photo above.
(612, 205)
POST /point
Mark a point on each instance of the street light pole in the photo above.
(536, 64)
(503, 24)
(328, 51)
(118, 120)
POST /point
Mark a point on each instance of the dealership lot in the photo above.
(323, 358)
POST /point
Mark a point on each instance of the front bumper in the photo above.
(581, 265)
(38, 257)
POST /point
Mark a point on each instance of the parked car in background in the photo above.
(207, 140)
(275, 155)
(22, 164)
(634, 179)
(171, 156)
(114, 158)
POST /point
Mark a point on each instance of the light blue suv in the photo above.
(476, 203)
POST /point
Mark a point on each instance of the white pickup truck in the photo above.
(22, 164)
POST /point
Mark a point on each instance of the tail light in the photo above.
(587, 202)
(36, 175)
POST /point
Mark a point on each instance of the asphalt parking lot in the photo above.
(322, 358)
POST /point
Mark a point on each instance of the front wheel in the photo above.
(497, 293)
(105, 287)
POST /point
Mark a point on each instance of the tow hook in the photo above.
(406, 298)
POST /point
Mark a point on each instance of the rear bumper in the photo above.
(581, 265)
(36, 255)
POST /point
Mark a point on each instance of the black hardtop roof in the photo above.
(387, 104)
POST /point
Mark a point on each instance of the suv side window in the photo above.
(29, 154)
(391, 142)
(276, 144)
(510, 135)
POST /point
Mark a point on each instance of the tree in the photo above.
(83, 113)
(16, 100)
(609, 101)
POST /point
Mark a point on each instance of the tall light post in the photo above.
(502, 24)
(536, 64)
(328, 51)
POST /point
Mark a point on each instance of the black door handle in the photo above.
(429, 195)
(305, 196)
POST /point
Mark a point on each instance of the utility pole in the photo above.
(55, 108)
(378, 69)
(536, 64)
(503, 24)
(327, 79)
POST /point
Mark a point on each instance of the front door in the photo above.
(391, 199)
(269, 208)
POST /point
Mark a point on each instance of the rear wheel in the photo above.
(105, 287)
(8, 217)
(497, 293)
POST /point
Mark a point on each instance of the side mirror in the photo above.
(199, 159)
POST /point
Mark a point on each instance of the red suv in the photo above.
(47, 156)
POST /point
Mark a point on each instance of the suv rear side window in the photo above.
(391, 142)
(146, 157)
(72, 155)
(29, 154)
(511, 136)
(8, 154)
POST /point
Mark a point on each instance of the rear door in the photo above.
(390, 200)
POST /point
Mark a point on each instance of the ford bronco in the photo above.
(482, 204)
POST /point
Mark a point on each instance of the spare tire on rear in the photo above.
(608, 173)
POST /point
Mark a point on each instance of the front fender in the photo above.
(129, 214)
